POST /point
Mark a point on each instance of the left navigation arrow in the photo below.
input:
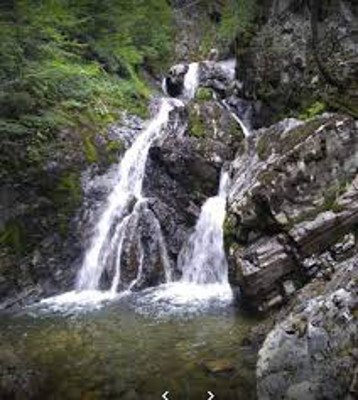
(165, 395)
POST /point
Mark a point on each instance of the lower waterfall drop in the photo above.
(203, 259)
(204, 283)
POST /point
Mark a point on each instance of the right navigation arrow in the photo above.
(211, 395)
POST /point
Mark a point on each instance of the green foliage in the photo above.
(67, 196)
(196, 123)
(237, 19)
(313, 110)
(114, 146)
(78, 57)
(90, 150)
(12, 235)
(204, 94)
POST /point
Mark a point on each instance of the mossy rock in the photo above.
(90, 150)
(271, 140)
(13, 236)
(204, 94)
(196, 122)
(67, 197)
(314, 109)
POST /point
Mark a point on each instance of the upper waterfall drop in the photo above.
(203, 259)
(191, 81)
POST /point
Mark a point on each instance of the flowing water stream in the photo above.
(184, 337)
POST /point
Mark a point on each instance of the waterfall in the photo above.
(243, 126)
(204, 283)
(203, 259)
(122, 206)
(126, 204)
(191, 81)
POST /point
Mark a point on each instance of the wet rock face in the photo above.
(76, 197)
(311, 353)
(183, 170)
(174, 81)
(292, 206)
(288, 66)
(218, 76)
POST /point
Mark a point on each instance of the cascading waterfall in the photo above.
(106, 246)
(204, 283)
(191, 81)
(203, 259)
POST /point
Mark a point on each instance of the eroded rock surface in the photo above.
(312, 353)
(183, 169)
(293, 202)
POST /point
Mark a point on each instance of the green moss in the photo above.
(67, 196)
(314, 109)
(235, 129)
(346, 104)
(13, 236)
(113, 149)
(331, 195)
(300, 133)
(267, 177)
(262, 147)
(204, 94)
(114, 146)
(230, 232)
(196, 123)
(90, 150)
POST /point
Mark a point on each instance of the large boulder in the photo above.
(303, 51)
(183, 169)
(293, 201)
(311, 353)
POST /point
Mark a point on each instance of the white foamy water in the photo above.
(202, 260)
(246, 131)
(191, 81)
(110, 230)
(77, 301)
(183, 298)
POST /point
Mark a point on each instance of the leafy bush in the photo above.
(314, 109)
(78, 57)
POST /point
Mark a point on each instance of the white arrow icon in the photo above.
(164, 395)
(211, 395)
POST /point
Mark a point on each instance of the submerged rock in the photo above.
(219, 366)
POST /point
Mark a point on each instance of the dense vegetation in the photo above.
(66, 62)
(66, 68)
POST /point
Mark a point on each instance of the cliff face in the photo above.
(302, 57)
(293, 206)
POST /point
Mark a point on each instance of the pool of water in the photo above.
(130, 349)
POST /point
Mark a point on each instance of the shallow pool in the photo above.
(130, 349)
